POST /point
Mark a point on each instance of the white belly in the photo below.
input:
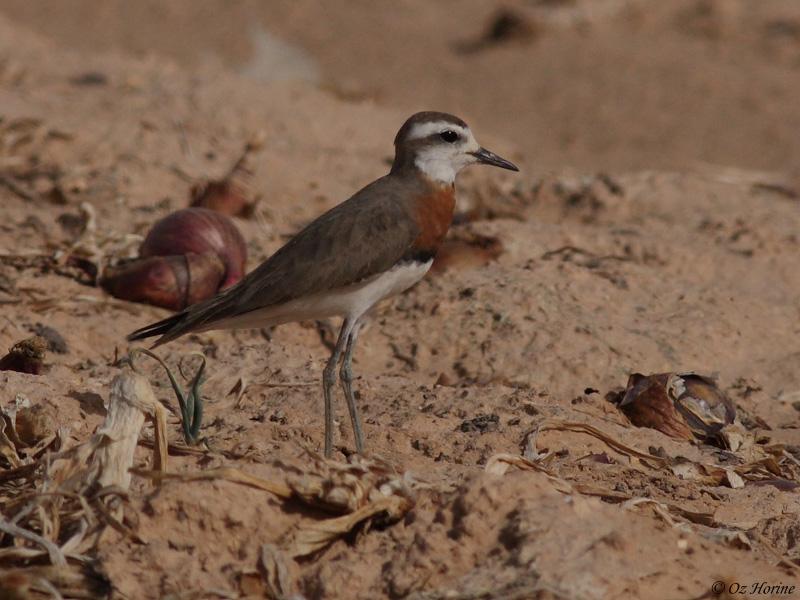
(351, 301)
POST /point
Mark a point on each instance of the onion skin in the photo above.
(199, 231)
(172, 282)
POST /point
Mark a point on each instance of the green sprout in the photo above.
(191, 403)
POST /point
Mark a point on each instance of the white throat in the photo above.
(438, 169)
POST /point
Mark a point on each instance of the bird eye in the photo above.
(449, 136)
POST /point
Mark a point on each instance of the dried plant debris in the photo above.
(57, 504)
(231, 195)
(96, 248)
(26, 356)
(768, 465)
(363, 490)
(82, 259)
(345, 487)
(131, 400)
(757, 464)
(533, 452)
(73, 225)
(499, 464)
(682, 405)
(276, 573)
(239, 391)
(31, 424)
(75, 581)
(26, 432)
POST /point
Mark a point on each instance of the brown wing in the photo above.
(361, 237)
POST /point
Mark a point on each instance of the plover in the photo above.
(374, 245)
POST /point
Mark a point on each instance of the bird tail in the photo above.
(169, 329)
(196, 317)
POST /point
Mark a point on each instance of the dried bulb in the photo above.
(173, 282)
(199, 231)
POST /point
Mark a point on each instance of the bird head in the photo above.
(439, 145)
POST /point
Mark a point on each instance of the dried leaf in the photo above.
(275, 573)
(682, 405)
(660, 508)
(226, 473)
(734, 479)
(54, 552)
(72, 581)
(238, 389)
(731, 537)
(307, 539)
(7, 447)
(611, 442)
(344, 487)
(365, 489)
(498, 464)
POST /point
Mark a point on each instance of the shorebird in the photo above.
(374, 245)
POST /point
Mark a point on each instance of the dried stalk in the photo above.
(53, 551)
(130, 401)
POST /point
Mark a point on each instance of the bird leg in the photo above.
(329, 379)
(346, 375)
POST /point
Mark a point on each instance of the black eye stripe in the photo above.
(449, 136)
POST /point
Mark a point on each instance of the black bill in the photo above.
(490, 158)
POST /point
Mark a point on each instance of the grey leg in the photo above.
(328, 381)
(346, 375)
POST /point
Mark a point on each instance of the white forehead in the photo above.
(423, 130)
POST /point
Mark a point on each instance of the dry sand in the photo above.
(655, 227)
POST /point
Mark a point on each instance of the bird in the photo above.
(378, 243)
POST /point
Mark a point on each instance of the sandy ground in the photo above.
(655, 227)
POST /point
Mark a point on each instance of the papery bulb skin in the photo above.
(199, 231)
(172, 282)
